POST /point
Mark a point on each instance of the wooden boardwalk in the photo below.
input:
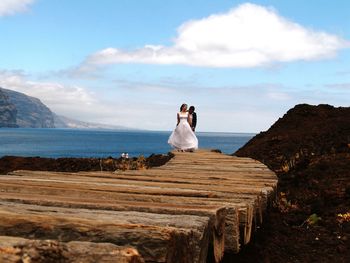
(172, 213)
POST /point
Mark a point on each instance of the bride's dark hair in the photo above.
(183, 105)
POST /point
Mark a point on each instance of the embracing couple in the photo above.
(183, 137)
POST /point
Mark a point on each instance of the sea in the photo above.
(57, 143)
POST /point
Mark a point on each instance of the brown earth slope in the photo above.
(309, 149)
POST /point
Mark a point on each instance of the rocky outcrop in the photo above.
(8, 112)
(31, 112)
(309, 149)
(12, 163)
(304, 132)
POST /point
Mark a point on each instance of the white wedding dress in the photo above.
(183, 138)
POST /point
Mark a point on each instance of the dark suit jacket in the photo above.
(194, 120)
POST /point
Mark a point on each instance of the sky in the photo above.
(133, 63)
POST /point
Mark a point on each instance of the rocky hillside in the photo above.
(8, 111)
(309, 149)
(31, 112)
(20, 110)
(304, 133)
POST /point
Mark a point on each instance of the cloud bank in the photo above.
(247, 36)
(10, 7)
(78, 102)
(239, 105)
(62, 99)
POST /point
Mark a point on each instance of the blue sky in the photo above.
(132, 63)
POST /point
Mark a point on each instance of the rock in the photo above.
(31, 112)
(8, 111)
(308, 149)
(12, 163)
(303, 133)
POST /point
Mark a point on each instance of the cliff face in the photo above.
(8, 112)
(20, 110)
(31, 112)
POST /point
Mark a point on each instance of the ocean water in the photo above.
(104, 143)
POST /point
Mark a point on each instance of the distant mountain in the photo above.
(20, 110)
(31, 112)
(64, 122)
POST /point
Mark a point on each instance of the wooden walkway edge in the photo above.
(172, 213)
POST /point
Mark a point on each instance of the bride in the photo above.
(183, 138)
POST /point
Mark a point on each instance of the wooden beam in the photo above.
(158, 238)
(15, 249)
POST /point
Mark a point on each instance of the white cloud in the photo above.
(239, 106)
(246, 36)
(156, 109)
(249, 108)
(62, 99)
(280, 96)
(79, 103)
(339, 86)
(10, 7)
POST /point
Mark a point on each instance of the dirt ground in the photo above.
(309, 149)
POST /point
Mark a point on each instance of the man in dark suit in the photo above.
(194, 117)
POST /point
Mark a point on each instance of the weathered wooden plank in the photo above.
(158, 238)
(223, 192)
(127, 202)
(218, 164)
(231, 226)
(185, 168)
(216, 213)
(136, 186)
(199, 191)
(104, 197)
(113, 177)
(15, 249)
(197, 184)
(152, 175)
(177, 173)
(247, 223)
(109, 187)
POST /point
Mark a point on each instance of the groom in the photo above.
(194, 117)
